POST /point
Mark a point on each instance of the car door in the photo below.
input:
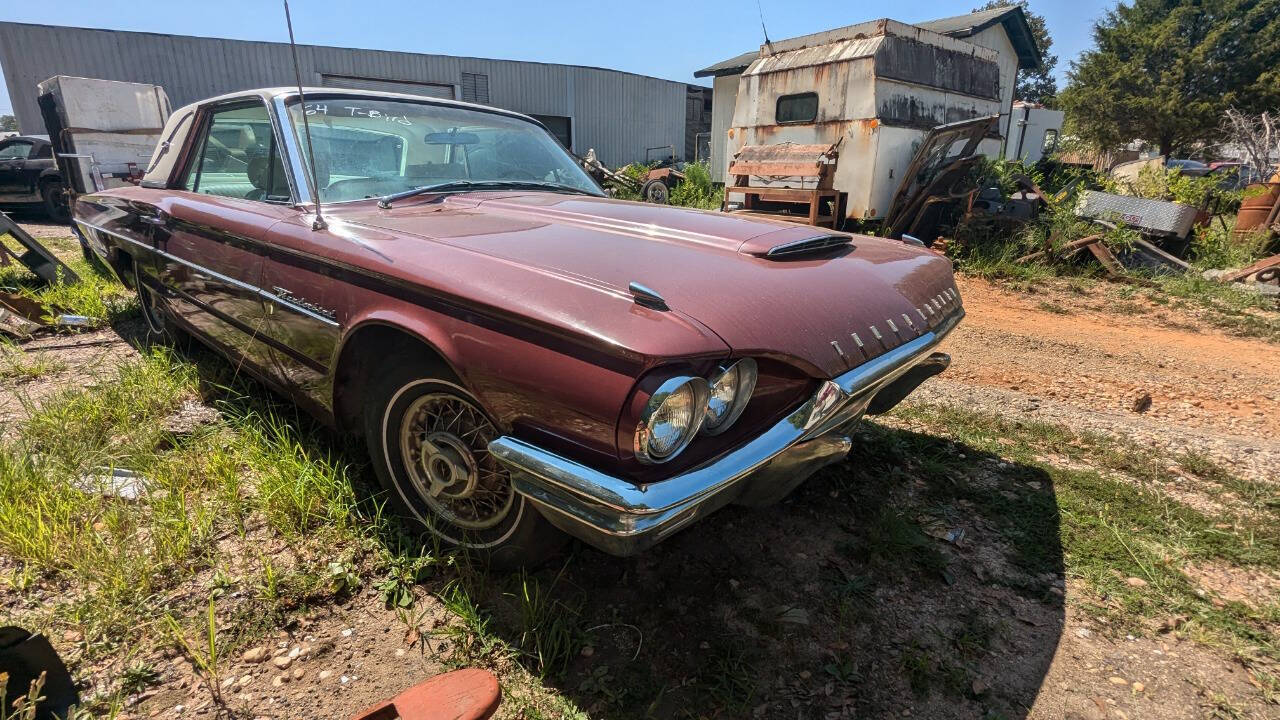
(38, 163)
(211, 235)
(13, 159)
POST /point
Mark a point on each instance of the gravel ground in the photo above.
(1061, 359)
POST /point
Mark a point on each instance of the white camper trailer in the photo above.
(870, 92)
(1034, 133)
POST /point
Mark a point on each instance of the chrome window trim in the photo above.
(263, 294)
(201, 120)
(293, 146)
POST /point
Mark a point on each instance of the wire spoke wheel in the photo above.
(444, 444)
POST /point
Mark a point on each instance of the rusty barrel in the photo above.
(1257, 208)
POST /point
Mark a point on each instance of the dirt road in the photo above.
(1060, 359)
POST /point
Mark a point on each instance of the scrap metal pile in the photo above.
(1164, 233)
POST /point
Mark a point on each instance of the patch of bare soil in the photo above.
(80, 359)
(1209, 392)
(1094, 676)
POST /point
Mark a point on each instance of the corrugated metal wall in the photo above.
(619, 114)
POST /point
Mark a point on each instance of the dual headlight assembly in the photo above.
(685, 405)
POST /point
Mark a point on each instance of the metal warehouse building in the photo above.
(619, 114)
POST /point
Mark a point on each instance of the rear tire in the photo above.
(428, 439)
(55, 201)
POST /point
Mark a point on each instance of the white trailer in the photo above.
(1034, 132)
(873, 90)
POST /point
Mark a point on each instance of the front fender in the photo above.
(529, 389)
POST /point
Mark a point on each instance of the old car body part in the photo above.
(623, 518)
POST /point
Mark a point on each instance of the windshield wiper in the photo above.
(459, 185)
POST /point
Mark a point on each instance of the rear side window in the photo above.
(17, 149)
(801, 108)
(239, 157)
(42, 151)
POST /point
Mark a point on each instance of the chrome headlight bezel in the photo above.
(644, 432)
(746, 373)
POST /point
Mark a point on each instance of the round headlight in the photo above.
(728, 395)
(671, 419)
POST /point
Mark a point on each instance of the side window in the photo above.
(1050, 142)
(15, 150)
(239, 158)
(42, 151)
(801, 108)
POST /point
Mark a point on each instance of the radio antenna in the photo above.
(763, 29)
(318, 223)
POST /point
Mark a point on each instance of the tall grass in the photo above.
(122, 557)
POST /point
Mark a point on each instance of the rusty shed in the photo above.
(873, 90)
(1003, 30)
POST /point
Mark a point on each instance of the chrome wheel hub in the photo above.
(444, 441)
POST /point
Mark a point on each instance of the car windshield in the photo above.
(373, 147)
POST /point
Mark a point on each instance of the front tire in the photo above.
(428, 438)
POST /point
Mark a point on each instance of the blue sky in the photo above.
(659, 37)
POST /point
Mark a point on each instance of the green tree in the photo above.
(8, 123)
(1165, 71)
(1034, 84)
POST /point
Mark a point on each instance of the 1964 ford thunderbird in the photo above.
(525, 356)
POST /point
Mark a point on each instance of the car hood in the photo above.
(826, 312)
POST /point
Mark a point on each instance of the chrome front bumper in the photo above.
(623, 518)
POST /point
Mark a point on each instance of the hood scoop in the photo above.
(775, 248)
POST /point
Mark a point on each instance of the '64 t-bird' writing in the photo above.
(525, 357)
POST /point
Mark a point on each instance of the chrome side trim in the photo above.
(265, 295)
(623, 517)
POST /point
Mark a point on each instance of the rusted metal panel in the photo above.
(926, 64)
(815, 56)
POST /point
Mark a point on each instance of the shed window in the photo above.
(801, 108)
(1050, 142)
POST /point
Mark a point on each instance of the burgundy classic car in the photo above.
(526, 357)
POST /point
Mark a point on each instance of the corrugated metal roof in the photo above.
(841, 51)
(732, 66)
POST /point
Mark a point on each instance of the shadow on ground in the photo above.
(920, 575)
(856, 597)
